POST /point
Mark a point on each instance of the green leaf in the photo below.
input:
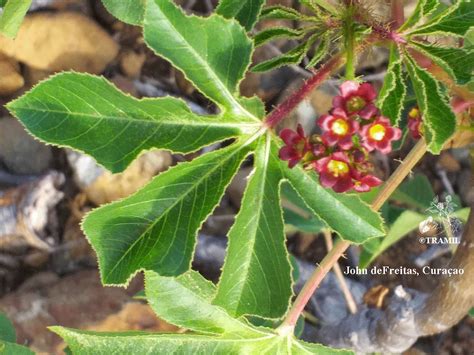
(7, 331)
(279, 12)
(12, 16)
(456, 20)
(416, 192)
(128, 11)
(194, 310)
(214, 55)
(186, 301)
(423, 9)
(471, 312)
(457, 62)
(272, 33)
(14, 349)
(438, 119)
(293, 56)
(297, 214)
(393, 92)
(244, 11)
(256, 278)
(321, 50)
(346, 214)
(89, 114)
(405, 223)
(155, 229)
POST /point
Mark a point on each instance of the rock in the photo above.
(449, 163)
(131, 63)
(19, 152)
(11, 78)
(76, 301)
(61, 41)
(101, 186)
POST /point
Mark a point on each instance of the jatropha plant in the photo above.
(155, 229)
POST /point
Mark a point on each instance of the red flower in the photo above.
(414, 123)
(297, 145)
(379, 135)
(338, 128)
(366, 182)
(356, 99)
(335, 172)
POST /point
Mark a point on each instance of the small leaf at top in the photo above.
(457, 62)
(155, 229)
(439, 121)
(12, 16)
(256, 277)
(89, 114)
(244, 11)
(455, 20)
(280, 12)
(128, 11)
(213, 52)
(392, 95)
(423, 9)
(272, 33)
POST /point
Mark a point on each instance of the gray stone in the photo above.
(20, 152)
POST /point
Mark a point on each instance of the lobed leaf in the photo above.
(457, 62)
(256, 277)
(89, 114)
(7, 331)
(423, 9)
(244, 11)
(155, 229)
(321, 50)
(404, 224)
(336, 209)
(194, 310)
(213, 52)
(293, 56)
(456, 20)
(392, 95)
(12, 16)
(279, 12)
(272, 33)
(416, 192)
(128, 11)
(439, 121)
(186, 300)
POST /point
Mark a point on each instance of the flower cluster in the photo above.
(415, 125)
(353, 128)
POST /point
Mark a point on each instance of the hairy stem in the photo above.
(282, 110)
(340, 277)
(349, 43)
(341, 246)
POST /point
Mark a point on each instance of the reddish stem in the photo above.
(281, 111)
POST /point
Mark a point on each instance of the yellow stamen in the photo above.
(377, 132)
(340, 127)
(414, 112)
(337, 168)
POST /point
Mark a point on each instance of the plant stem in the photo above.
(340, 277)
(341, 246)
(349, 42)
(282, 110)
